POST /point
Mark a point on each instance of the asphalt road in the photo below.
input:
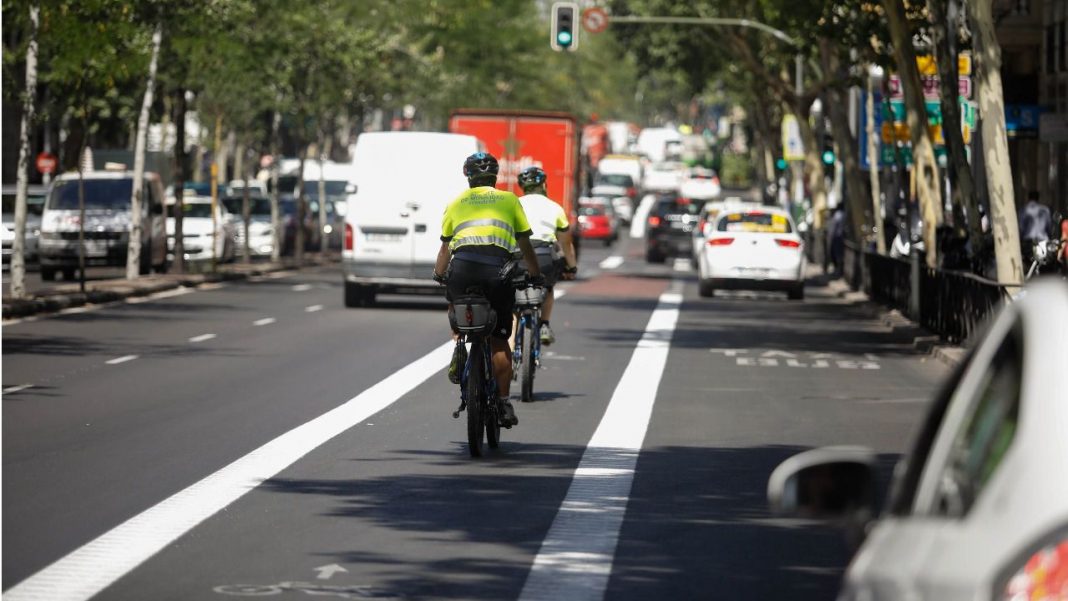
(258, 438)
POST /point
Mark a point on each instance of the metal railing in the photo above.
(952, 304)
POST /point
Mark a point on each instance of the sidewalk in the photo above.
(951, 355)
(65, 295)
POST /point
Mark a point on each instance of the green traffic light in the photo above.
(563, 38)
(828, 157)
(780, 164)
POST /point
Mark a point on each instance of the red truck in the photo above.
(521, 139)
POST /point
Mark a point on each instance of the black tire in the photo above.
(48, 274)
(706, 289)
(359, 295)
(652, 256)
(796, 293)
(69, 273)
(527, 368)
(608, 242)
(475, 401)
(163, 266)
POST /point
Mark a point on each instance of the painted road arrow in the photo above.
(325, 572)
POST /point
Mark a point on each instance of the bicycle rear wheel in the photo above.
(526, 368)
(476, 401)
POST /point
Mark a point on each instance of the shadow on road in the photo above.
(696, 527)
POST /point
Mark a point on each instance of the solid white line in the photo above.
(681, 264)
(575, 559)
(202, 338)
(20, 388)
(96, 565)
(637, 223)
(611, 262)
(301, 287)
(122, 359)
(313, 308)
(263, 322)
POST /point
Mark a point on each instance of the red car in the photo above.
(597, 221)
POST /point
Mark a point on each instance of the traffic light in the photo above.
(828, 157)
(781, 164)
(565, 26)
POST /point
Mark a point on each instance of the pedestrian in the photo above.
(1036, 224)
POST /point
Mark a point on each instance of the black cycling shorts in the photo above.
(548, 262)
(484, 271)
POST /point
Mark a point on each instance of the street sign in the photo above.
(46, 163)
(594, 20)
(792, 147)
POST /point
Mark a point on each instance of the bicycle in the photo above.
(474, 319)
(526, 357)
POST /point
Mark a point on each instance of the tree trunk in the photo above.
(246, 218)
(18, 248)
(838, 108)
(179, 179)
(298, 238)
(215, 193)
(817, 187)
(325, 144)
(873, 167)
(944, 18)
(133, 253)
(924, 165)
(276, 164)
(996, 146)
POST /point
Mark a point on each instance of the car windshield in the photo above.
(196, 209)
(257, 205)
(111, 194)
(615, 179)
(34, 205)
(591, 210)
(333, 188)
(755, 221)
(677, 206)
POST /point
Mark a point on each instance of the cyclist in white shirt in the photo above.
(551, 234)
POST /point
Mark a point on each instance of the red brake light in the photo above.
(632, 192)
(1043, 576)
(715, 180)
(720, 241)
(654, 221)
(349, 235)
(787, 243)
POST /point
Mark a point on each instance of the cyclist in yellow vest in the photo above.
(479, 231)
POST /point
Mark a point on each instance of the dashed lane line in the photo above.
(263, 322)
(681, 264)
(313, 308)
(202, 338)
(19, 388)
(611, 262)
(575, 559)
(122, 359)
(94, 566)
(302, 287)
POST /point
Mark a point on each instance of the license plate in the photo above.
(385, 237)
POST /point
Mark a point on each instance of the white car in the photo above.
(978, 510)
(664, 177)
(756, 249)
(260, 232)
(701, 184)
(706, 219)
(197, 230)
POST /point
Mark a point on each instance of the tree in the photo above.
(133, 254)
(18, 254)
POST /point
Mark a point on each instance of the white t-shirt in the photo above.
(546, 218)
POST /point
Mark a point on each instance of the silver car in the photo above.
(979, 508)
(35, 198)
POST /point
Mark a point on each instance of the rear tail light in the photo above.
(787, 243)
(654, 221)
(720, 241)
(715, 180)
(632, 192)
(349, 235)
(1043, 576)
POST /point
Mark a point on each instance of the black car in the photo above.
(669, 229)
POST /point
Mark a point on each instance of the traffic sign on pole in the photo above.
(594, 20)
(46, 163)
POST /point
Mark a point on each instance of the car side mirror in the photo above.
(827, 483)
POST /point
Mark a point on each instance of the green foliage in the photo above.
(736, 170)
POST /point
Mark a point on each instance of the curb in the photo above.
(109, 291)
(930, 344)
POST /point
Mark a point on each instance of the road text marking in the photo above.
(575, 558)
(94, 566)
(122, 359)
(263, 322)
(202, 338)
(681, 264)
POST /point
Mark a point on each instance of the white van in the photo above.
(403, 182)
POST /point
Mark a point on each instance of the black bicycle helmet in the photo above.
(481, 166)
(531, 177)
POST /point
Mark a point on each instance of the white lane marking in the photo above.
(122, 359)
(211, 286)
(575, 559)
(637, 223)
(76, 310)
(559, 293)
(263, 322)
(302, 287)
(313, 308)
(202, 338)
(611, 262)
(681, 264)
(95, 565)
(19, 388)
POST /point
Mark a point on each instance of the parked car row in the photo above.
(35, 200)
